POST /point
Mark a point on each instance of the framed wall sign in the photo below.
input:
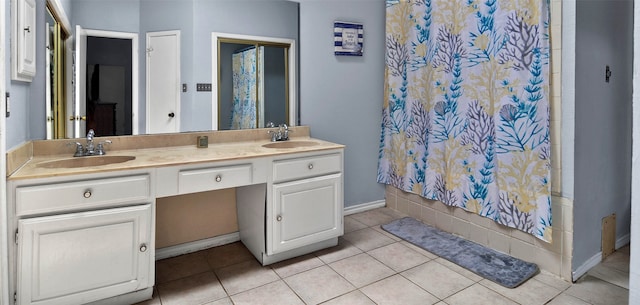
(348, 38)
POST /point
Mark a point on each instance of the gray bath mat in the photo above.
(490, 264)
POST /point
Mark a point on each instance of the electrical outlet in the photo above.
(203, 87)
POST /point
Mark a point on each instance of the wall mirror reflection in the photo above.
(254, 81)
(198, 62)
(57, 33)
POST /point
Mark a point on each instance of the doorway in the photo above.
(108, 86)
(106, 83)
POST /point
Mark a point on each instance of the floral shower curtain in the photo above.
(466, 110)
(243, 112)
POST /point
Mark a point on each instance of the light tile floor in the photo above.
(369, 266)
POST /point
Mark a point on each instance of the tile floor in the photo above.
(369, 266)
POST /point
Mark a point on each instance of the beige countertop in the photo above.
(166, 156)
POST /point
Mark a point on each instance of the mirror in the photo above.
(56, 34)
(253, 81)
(196, 20)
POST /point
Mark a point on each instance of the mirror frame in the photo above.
(56, 115)
(217, 38)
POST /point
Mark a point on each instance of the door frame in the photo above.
(178, 108)
(82, 33)
(291, 71)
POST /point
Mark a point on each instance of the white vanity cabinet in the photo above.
(303, 211)
(84, 239)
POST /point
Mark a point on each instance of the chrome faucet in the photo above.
(281, 134)
(90, 149)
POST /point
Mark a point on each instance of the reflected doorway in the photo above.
(104, 62)
(109, 86)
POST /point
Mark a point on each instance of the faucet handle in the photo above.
(79, 149)
(284, 132)
(100, 149)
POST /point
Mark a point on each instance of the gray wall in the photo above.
(114, 15)
(27, 120)
(341, 96)
(604, 36)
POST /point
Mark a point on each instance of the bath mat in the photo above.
(490, 264)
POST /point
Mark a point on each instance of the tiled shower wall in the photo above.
(554, 257)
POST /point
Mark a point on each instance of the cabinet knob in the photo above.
(143, 247)
(279, 218)
(87, 194)
(310, 166)
(218, 178)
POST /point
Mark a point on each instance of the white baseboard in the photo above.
(364, 207)
(197, 245)
(623, 241)
(597, 258)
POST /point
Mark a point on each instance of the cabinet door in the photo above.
(305, 212)
(24, 31)
(83, 257)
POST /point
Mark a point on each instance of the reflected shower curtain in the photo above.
(243, 112)
(466, 110)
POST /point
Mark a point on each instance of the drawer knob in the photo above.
(310, 166)
(143, 247)
(87, 194)
(279, 218)
(218, 178)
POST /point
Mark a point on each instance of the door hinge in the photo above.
(17, 237)
(15, 297)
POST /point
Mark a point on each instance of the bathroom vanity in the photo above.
(87, 233)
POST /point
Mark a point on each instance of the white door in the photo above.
(163, 82)
(305, 212)
(83, 257)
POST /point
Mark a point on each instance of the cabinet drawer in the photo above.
(292, 169)
(214, 178)
(76, 195)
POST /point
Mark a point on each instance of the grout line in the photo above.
(359, 289)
